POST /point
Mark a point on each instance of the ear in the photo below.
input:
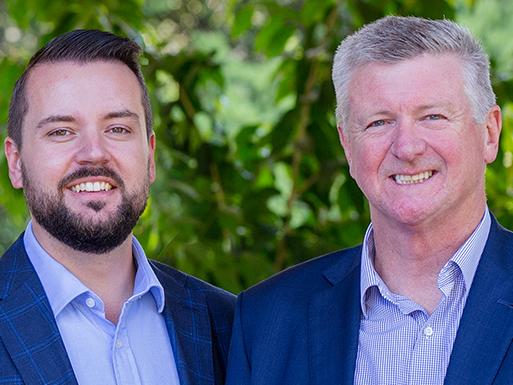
(12, 153)
(152, 144)
(493, 130)
(342, 135)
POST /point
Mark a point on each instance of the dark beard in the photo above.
(79, 234)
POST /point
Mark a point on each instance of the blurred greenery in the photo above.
(251, 176)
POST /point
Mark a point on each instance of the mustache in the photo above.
(92, 171)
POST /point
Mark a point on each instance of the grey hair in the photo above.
(394, 38)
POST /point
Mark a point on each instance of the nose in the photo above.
(92, 148)
(407, 144)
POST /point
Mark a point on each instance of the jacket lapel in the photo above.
(188, 324)
(486, 326)
(334, 319)
(27, 326)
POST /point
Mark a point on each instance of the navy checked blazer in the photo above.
(301, 326)
(198, 318)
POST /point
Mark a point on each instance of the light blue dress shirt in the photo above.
(399, 342)
(135, 351)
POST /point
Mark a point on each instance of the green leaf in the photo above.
(242, 20)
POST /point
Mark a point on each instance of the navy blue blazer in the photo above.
(198, 318)
(301, 326)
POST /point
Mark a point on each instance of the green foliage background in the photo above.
(251, 176)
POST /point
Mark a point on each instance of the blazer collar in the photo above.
(486, 327)
(333, 320)
(27, 325)
(188, 323)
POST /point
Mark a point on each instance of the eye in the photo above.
(60, 132)
(434, 117)
(118, 130)
(378, 123)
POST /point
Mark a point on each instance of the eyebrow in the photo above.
(55, 118)
(121, 114)
(447, 108)
(433, 105)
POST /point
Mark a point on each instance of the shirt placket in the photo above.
(425, 363)
(432, 349)
(123, 360)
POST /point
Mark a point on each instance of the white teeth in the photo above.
(91, 187)
(411, 179)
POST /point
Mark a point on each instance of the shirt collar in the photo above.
(466, 258)
(145, 278)
(62, 287)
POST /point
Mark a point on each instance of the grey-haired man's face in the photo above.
(412, 142)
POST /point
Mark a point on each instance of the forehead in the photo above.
(426, 79)
(71, 87)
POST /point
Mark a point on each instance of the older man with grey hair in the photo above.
(428, 297)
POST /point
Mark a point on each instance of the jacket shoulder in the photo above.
(215, 296)
(310, 276)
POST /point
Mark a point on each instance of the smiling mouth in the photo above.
(91, 187)
(413, 179)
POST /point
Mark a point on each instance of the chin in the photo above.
(409, 215)
(95, 217)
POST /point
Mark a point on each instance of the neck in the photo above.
(109, 275)
(409, 257)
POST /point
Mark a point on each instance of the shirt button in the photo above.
(428, 331)
(119, 344)
(90, 302)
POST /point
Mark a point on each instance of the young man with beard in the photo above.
(79, 301)
(428, 297)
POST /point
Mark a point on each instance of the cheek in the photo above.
(137, 166)
(46, 170)
(461, 152)
(367, 158)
